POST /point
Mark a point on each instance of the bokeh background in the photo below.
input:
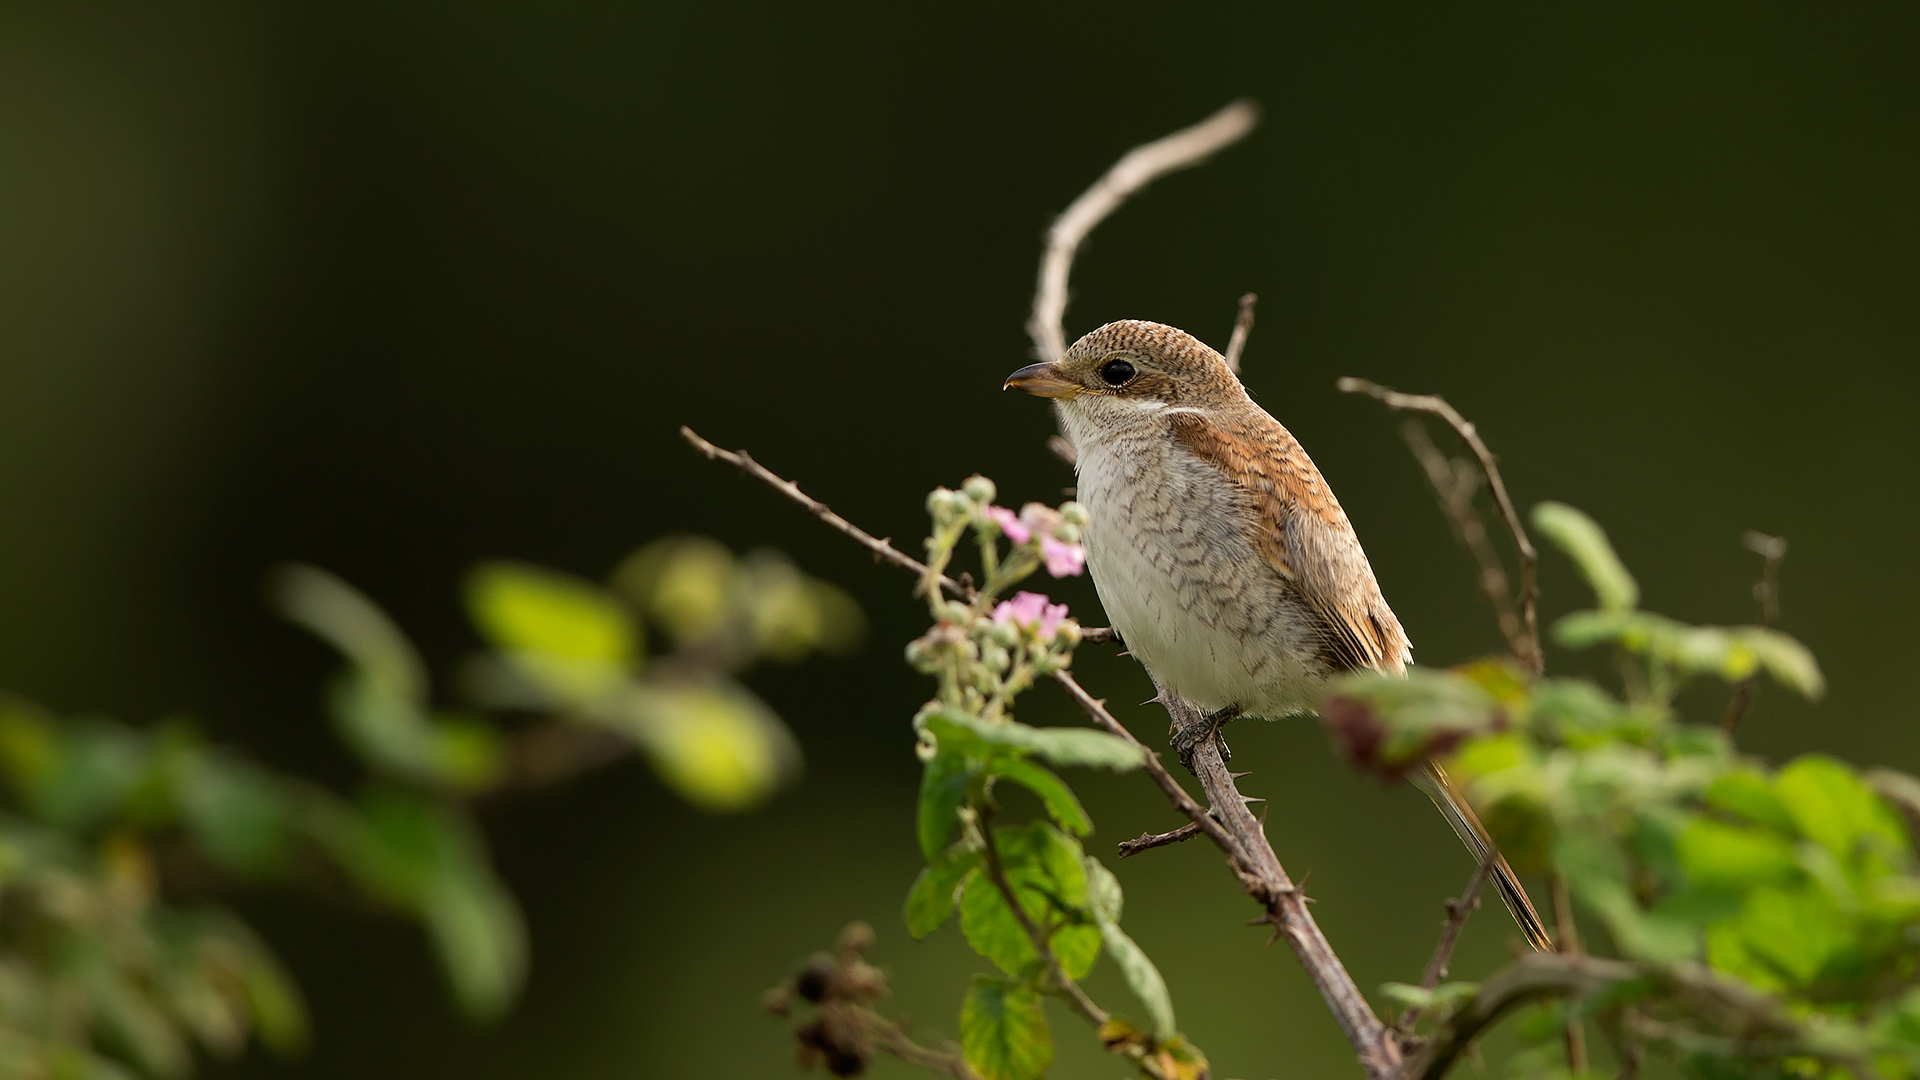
(394, 287)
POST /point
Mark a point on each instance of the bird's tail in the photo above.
(1433, 780)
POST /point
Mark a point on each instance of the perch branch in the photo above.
(881, 549)
(1771, 549)
(898, 1043)
(1230, 825)
(1436, 405)
(1139, 167)
(1242, 326)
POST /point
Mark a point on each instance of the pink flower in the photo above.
(1063, 559)
(1029, 610)
(1016, 532)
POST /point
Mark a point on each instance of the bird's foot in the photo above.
(1186, 737)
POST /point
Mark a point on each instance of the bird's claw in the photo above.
(1186, 737)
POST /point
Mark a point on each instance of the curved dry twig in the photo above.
(1139, 167)
(1527, 648)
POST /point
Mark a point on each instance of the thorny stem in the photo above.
(1528, 648)
(1458, 911)
(881, 549)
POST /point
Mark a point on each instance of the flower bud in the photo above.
(1068, 533)
(1073, 513)
(1004, 634)
(979, 489)
(937, 501)
(1069, 634)
(957, 613)
(996, 658)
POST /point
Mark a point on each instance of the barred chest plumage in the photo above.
(1175, 569)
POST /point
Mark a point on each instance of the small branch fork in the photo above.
(1242, 326)
(1525, 642)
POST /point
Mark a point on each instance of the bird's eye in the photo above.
(1116, 372)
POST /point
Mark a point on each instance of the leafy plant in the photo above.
(115, 959)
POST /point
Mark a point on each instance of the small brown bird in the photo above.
(1219, 553)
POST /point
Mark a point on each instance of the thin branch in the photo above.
(896, 1042)
(882, 550)
(1139, 167)
(1568, 932)
(1458, 911)
(1436, 405)
(1455, 482)
(1771, 549)
(1099, 635)
(1147, 841)
(1531, 978)
(1242, 326)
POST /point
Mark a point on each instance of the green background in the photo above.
(393, 287)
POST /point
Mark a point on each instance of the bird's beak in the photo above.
(1042, 380)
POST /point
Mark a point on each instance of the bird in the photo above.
(1218, 550)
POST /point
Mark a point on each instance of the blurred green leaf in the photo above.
(239, 813)
(524, 608)
(1716, 854)
(1003, 1032)
(1387, 724)
(792, 614)
(1061, 803)
(424, 859)
(1143, 978)
(342, 616)
(1582, 539)
(1750, 794)
(713, 742)
(1061, 746)
(932, 897)
(684, 582)
(396, 735)
(1797, 930)
(1835, 808)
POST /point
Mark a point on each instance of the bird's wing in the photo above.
(1299, 527)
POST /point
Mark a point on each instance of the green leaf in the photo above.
(931, 899)
(344, 617)
(425, 859)
(1143, 978)
(1834, 808)
(1586, 544)
(991, 928)
(1388, 724)
(1750, 794)
(1716, 854)
(721, 748)
(1790, 663)
(523, 608)
(1796, 930)
(239, 814)
(1058, 798)
(1003, 1032)
(1045, 871)
(1061, 746)
(943, 788)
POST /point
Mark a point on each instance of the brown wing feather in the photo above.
(1300, 529)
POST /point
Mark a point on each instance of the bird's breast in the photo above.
(1168, 543)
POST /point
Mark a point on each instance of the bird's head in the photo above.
(1126, 371)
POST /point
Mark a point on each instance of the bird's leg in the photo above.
(1189, 733)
